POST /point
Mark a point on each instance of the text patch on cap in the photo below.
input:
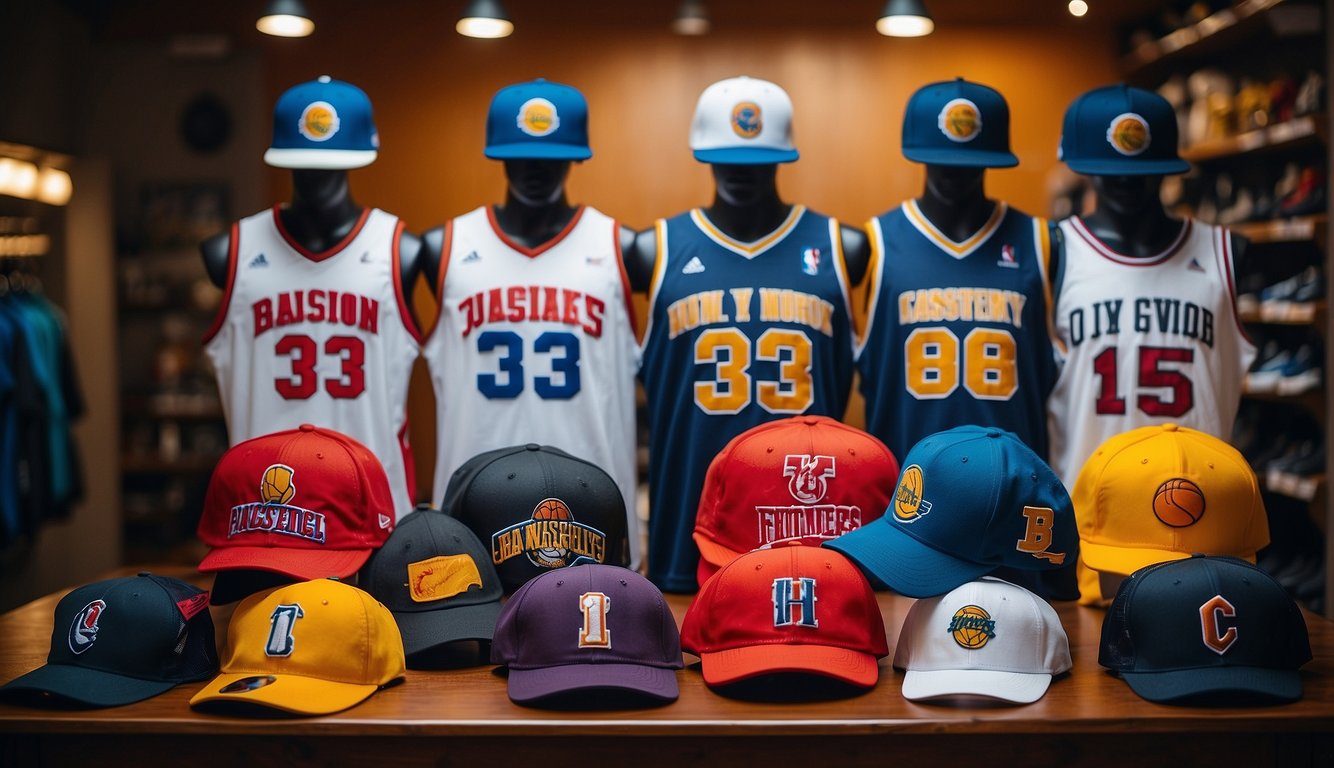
(441, 577)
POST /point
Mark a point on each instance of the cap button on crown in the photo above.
(1170, 427)
(307, 427)
(324, 78)
(532, 447)
(809, 420)
(993, 433)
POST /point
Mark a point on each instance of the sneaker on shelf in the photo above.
(1249, 286)
(1311, 287)
(1309, 196)
(1264, 375)
(1301, 374)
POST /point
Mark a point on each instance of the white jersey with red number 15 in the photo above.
(1146, 341)
(319, 338)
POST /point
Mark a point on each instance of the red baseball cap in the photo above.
(307, 503)
(787, 609)
(806, 479)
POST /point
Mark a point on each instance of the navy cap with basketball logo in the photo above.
(1118, 130)
(1206, 631)
(537, 508)
(323, 124)
(538, 120)
(958, 123)
(969, 500)
(123, 640)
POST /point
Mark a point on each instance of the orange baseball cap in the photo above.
(1161, 493)
(312, 648)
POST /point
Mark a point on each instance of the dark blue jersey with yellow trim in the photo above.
(739, 334)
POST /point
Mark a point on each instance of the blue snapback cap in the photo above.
(1117, 130)
(323, 124)
(538, 120)
(969, 500)
(958, 123)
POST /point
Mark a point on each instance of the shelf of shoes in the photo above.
(1295, 230)
(1290, 134)
(1214, 32)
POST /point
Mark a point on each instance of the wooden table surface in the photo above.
(1089, 711)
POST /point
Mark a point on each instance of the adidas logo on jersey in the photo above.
(472, 256)
(366, 257)
(693, 267)
(1194, 266)
(259, 261)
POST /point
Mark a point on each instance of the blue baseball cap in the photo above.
(1117, 130)
(969, 500)
(324, 124)
(537, 120)
(958, 123)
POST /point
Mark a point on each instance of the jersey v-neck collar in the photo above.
(957, 249)
(541, 248)
(318, 255)
(1130, 261)
(755, 247)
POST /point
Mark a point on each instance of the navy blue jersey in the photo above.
(957, 333)
(739, 334)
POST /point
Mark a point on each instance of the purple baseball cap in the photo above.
(588, 627)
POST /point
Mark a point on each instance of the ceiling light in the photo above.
(691, 18)
(484, 18)
(905, 18)
(1078, 8)
(18, 178)
(54, 186)
(285, 18)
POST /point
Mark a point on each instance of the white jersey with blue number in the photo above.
(535, 345)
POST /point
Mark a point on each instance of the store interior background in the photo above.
(106, 84)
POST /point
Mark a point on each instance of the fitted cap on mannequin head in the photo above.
(958, 123)
(538, 120)
(324, 124)
(1117, 130)
(743, 121)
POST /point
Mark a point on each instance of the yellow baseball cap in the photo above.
(1161, 493)
(311, 648)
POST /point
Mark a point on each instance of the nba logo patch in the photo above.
(538, 117)
(810, 261)
(746, 120)
(1129, 134)
(1007, 257)
(319, 121)
(960, 120)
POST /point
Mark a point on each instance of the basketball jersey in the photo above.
(535, 345)
(1144, 341)
(957, 333)
(320, 338)
(739, 334)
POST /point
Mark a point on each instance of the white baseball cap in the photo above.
(743, 121)
(985, 638)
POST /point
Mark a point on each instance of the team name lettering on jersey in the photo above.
(317, 306)
(981, 305)
(775, 305)
(1164, 315)
(534, 303)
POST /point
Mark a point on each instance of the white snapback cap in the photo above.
(743, 121)
(985, 638)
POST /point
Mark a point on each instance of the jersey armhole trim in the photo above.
(221, 318)
(396, 277)
(874, 279)
(1042, 239)
(841, 272)
(446, 246)
(655, 284)
(1225, 255)
(625, 277)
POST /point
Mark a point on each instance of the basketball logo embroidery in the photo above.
(319, 121)
(277, 486)
(550, 538)
(1178, 503)
(908, 502)
(972, 627)
(747, 121)
(83, 630)
(538, 117)
(274, 512)
(960, 120)
(1129, 134)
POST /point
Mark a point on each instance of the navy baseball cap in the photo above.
(537, 120)
(123, 640)
(323, 124)
(969, 500)
(1117, 130)
(1206, 631)
(958, 123)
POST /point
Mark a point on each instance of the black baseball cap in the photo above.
(536, 508)
(1207, 631)
(437, 580)
(123, 640)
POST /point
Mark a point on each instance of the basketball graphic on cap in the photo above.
(908, 496)
(277, 487)
(319, 121)
(1178, 503)
(960, 120)
(551, 509)
(746, 120)
(972, 627)
(537, 117)
(1128, 134)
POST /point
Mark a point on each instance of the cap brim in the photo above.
(729, 666)
(1220, 683)
(303, 564)
(528, 685)
(289, 693)
(905, 564)
(1128, 167)
(746, 156)
(712, 556)
(1127, 560)
(320, 159)
(962, 158)
(424, 630)
(537, 151)
(93, 687)
(1016, 687)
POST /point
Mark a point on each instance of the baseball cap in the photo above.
(536, 508)
(1207, 631)
(969, 500)
(743, 121)
(124, 640)
(312, 648)
(588, 627)
(806, 479)
(1117, 130)
(787, 609)
(985, 638)
(323, 124)
(538, 120)
(958, 123)
(306, 502)
(437, 580)
(1163, 492)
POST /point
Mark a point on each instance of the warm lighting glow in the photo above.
(285, 18)
(485, 19)
(691, 19)
(18, 178)
(1078, 7)
(905, 18)
(54, 186)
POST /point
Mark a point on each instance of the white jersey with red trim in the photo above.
(1145, 341)
(319, 338)
(535, 345)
